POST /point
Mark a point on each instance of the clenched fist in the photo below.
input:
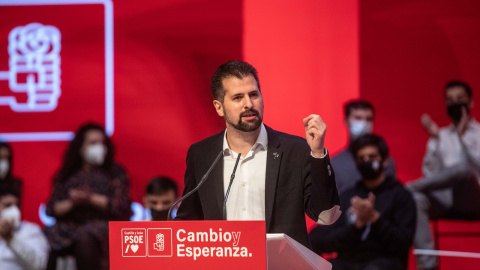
(315, 130)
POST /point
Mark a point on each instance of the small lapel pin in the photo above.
(275, 155)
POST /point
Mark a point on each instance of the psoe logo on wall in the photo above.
(60, 68)
(34, 52)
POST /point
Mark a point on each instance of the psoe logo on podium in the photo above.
(56, 68)
(159, 242)
(134, 243)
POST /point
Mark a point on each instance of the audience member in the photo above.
(7, 180)
(359, 115)
(89, 190)
(450, 186)
(376, 228)
(160, 194)
(22, 244)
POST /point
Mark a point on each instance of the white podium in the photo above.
(284, 253)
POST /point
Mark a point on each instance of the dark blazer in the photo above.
(295, 183)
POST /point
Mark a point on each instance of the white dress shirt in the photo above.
(28, 249)
(246, 200)
(449, 149)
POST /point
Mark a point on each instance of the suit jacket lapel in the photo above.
(274, 156)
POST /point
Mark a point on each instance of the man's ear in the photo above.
(218, 107)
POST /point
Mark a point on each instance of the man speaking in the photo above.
(277, 177)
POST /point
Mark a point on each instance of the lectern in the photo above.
(208, 245)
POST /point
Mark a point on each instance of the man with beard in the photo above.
(279, 176)
(451, 168)
(377, 226)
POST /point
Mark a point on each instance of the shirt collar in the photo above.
(262, 141)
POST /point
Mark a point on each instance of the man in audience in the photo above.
(450, 186)
(359, 115)
(160, 194)
(22, 244)
(377, 225)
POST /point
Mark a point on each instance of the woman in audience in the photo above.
(7, 180)
(89, 190)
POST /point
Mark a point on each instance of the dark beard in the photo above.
(247, 126)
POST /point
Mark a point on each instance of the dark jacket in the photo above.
(390, 237)
(295, 183)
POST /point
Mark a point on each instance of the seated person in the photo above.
(160, 194)
(22, 244)
(451, 168)
(359, 116)
(7, 180)
(89, 190)
(377, 225)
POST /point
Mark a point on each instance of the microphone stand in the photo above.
(228, 190)
(169, 217)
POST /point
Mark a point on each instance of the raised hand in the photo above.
(6, 228)
(430, 126)
(315, 130)
(364, 209)
(463, 124)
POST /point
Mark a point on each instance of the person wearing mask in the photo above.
(7, 180)
(160, 194)
(89, 190)
(451, 169)
(359, 116)
(23, 245)
(377, 225)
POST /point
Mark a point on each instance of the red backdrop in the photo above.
(312, 56)
(408, 50)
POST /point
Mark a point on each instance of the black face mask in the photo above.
(159, 215)
(370, 170)
(455, 111)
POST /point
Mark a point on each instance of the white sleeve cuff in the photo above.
(329, 216)
(324, 155)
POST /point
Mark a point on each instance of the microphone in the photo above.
(228, 189)
(169, 217)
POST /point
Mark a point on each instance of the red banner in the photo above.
(182, 244)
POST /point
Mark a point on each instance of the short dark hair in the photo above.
(458, 83)
(370, 140)
(10, 190)
(358, 104)
(161, 185)
(238, 69)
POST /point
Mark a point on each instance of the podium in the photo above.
(284, 253)
(206, 245)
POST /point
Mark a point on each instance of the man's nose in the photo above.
(247, 102)
(159, 207)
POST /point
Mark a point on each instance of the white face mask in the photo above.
(4, 167)
(359, 128)
(95, 154)
(12, 214)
